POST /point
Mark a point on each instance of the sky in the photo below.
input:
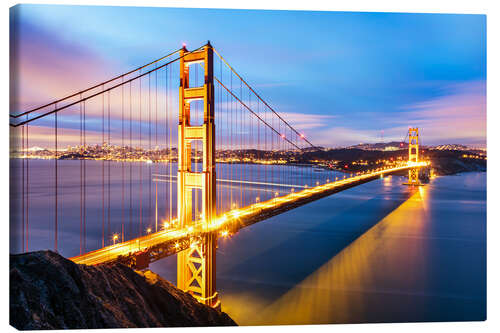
(342, 78)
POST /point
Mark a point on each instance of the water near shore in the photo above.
(380, 252)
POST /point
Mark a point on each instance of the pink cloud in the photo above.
(44, 70)
(458, 116)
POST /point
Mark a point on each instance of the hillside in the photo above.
(48, 291)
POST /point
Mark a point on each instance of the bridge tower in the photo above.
(413, 155)
(196, 265)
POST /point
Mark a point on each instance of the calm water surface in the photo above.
(380, 252)
(377, 253)
(119, 193)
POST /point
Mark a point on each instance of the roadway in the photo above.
(166, 242)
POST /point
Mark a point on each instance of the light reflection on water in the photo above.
(423, 261)
(338, 290)
(380, 252)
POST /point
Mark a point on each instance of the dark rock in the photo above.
(48, 291)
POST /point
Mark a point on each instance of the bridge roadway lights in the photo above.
(160, 245)
(196, 265)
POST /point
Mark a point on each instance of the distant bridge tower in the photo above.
(196, 265)
(413, 155)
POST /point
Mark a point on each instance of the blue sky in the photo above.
(342, 78)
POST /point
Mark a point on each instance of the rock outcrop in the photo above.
(48, 291)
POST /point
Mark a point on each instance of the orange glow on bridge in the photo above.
(232, 220)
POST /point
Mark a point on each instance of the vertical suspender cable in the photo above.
(55, 180)
(250, 143)
(130, 164)
(241, 145)
(102, 171)
(109, 166)
(84, 181)
(231, 147)
(219, 200)
(27, 188)
(259, 147)
(149, 152)
(23, 157)
(170, 152)
(167, 152)
(140, 162)
(156, 148)
(81, 178)
(228, 137)
(122, 156)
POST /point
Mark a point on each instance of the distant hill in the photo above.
(380, 146)
(450, 147)
(391, 146)
(48, 291)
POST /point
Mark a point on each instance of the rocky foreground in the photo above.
(48, 291)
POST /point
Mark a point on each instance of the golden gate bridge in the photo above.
(188, 119)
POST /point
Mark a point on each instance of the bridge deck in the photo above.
(139, 252)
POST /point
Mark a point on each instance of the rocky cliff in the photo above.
(48, 291)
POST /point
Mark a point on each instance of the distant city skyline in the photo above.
(339, 77)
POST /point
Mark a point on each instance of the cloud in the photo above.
(458, 115)
(271, 85)
(341, 136)
(306, 121)
(45, 68)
